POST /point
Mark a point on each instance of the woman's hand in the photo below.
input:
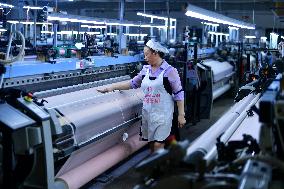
(105, 90)
(181, 121)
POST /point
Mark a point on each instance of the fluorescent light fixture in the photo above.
(161, 27)
(2, 30)
(91, 33)
(263, 38)
(111, 34)
(76, 32)
(200, 13)
(6, 5)
(218, 33)
(31, 23)
(146, 26)
(210, 24)
(13, 21)
(38, 23)
(136, 25)
(32, 7)
(154, 16)
(74, 18)
(250, 37)
(129, 24)
(87, 26)
(136, 34)
(87, 20)
(66, 19)
(112, 23)
(234, 28)
(71, 32)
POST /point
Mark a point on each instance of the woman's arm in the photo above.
(131, 84)
(178, 92)
(181, 114)
(117, 86)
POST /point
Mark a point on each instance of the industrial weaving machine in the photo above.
(66, 133)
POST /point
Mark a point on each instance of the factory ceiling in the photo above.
(242, 8)
(175, 5)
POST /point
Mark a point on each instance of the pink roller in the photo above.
(82, 174)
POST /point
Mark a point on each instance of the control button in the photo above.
(29, 97)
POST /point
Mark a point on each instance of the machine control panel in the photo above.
(13, 118)
(35, 110)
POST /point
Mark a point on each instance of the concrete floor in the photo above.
(125, 177)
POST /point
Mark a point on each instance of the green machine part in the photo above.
(71, 52)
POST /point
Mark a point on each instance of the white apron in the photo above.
(158, 108)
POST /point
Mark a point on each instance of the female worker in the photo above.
(161, 85)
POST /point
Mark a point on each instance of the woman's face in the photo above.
(149, 56)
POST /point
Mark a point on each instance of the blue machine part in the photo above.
(119, 59)
(201, 53)
(26, 68)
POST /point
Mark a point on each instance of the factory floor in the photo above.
(125, 177)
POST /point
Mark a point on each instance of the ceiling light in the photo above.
(218, 33)
(27, 23)
(200, 13)
(2, 30)
(87, 26)
(112, 23)
(74, 18)
(210, 24)
(6, 5)
(32, 7)
(13, 22)
(136, 34)
(154, 16)
(111, 34)
(234, 28)
(263, 38)
(250, 37)
(71, 32)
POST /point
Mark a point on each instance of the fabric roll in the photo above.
(82, 174)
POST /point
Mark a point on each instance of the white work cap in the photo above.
(156, 46)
